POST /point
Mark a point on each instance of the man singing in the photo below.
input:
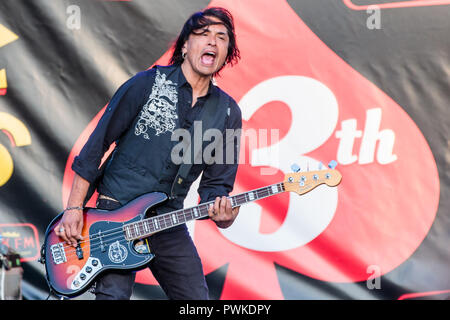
(141, 118)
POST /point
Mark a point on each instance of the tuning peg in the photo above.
(295, 167)
(332, 164)
(320, 165)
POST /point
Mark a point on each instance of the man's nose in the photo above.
(212, 40)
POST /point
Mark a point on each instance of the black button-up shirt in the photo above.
(217, 179)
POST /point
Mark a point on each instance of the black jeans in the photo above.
(176, 266)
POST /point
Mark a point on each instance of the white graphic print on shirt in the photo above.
(159, 112)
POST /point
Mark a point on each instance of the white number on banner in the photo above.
(314, 118)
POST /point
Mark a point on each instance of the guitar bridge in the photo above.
(58, 253)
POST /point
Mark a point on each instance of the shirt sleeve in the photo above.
(116, 119)
(218, 178)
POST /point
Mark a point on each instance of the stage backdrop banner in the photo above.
(362, 82)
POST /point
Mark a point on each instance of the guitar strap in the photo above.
(211, 108)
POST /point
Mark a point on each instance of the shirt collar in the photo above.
(183, 82)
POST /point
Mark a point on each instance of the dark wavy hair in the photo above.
(199, 20)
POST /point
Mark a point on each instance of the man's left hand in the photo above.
(222, 213)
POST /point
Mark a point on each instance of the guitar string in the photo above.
(120, 235)
(70, 257)
(97, 245)
(167, 218)
(121, 230)
(163, 219)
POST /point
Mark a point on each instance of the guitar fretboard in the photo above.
(146, 227)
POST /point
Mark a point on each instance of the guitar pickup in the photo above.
(100, 238)
(79, 252)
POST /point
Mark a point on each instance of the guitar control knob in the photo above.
(88, 269)
(95, 262)
(82, 276)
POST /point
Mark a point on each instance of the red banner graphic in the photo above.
(289, 80)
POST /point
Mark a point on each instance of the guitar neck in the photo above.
(146, 227)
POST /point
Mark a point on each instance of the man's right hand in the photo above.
(71, 223)
(70, 226)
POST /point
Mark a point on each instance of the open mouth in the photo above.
(208, 58)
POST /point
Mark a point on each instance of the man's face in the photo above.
(207, 48)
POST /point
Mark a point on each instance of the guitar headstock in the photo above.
(303, 182)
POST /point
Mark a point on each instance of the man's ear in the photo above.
(183, 50)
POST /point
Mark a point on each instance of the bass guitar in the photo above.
(117, 240)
